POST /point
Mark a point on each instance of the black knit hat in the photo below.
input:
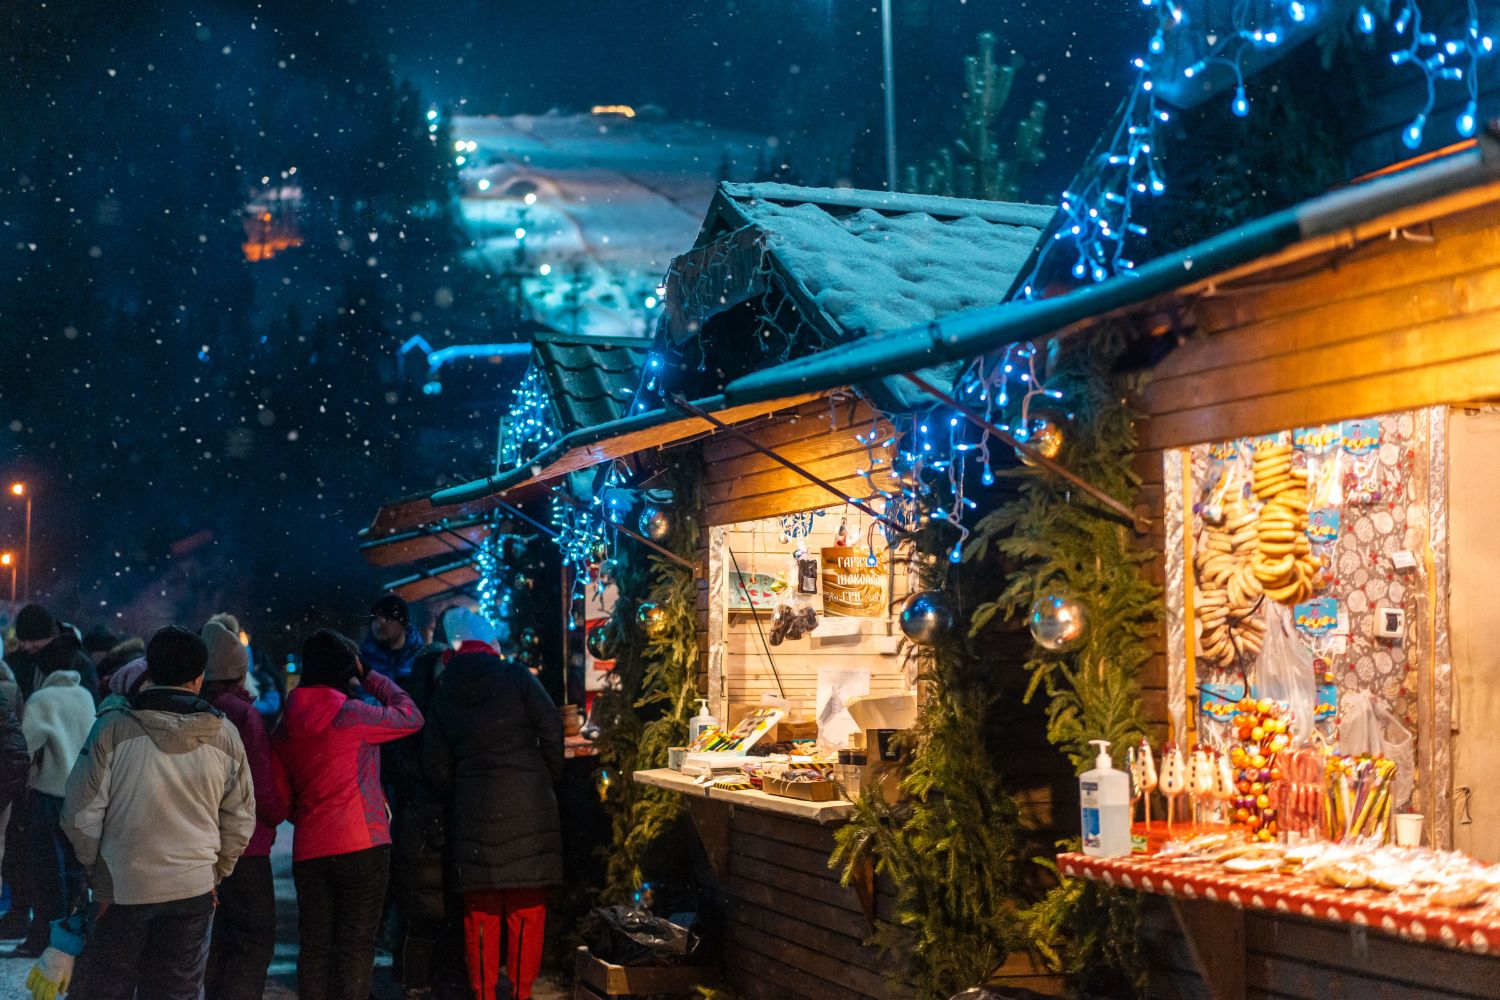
(35, 622)
(329, 658)
(393, 607)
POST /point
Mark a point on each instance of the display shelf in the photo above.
(1476, 929)
(818, 812)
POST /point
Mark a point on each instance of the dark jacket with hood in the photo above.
(419, 814)
(494, 743)
(393, 663)
(63, 653)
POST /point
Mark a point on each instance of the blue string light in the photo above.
(1097, 214)
(529, 426)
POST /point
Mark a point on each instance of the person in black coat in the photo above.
(48, 646)
(494, 745)
(15, 762)
(418, 833)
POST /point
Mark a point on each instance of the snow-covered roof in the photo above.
(877, 261)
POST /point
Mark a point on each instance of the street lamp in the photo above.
(20, 490)
(9, 559)
(887, 57)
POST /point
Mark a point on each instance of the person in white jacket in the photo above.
(56, 723)
(159, 807)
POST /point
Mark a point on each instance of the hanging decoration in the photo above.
(1100, 212)
(495, 595)
(528, 426)
(601, 642)
(656, 516)
(1056, 622)
(652, 619)
(927, 617)
(1044, 433)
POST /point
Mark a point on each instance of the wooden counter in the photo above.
(751, 798)
(1225, 936)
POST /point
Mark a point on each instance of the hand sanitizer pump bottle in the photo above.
(1105, 797)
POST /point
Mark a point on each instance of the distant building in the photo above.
(586, 211)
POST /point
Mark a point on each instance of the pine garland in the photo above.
(953, 848)
(1062, 543)
(646, 711)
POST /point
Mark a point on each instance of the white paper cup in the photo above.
(1408, 829)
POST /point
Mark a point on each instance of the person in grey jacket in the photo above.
(159, 808)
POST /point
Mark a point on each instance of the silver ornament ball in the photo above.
(1057, 622)
(655, 523)
(927, 617)
(1045, 433)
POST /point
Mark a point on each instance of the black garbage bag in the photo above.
(624, 935)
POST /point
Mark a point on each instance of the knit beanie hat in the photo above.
(460, 625)
(329, 658)
(228, 620)
(129, 678)
(228, 659)
(393, 607)
(35, 622)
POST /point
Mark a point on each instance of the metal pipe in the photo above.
(888, 59)
(1136, 521)
(538, 525)
(860, 505)
(628, 533)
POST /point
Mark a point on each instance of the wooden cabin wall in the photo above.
(740, 484)
(1390, 325)
(748, 669)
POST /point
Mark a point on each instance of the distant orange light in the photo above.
(624, 110)
(6, 558)
(18, 489)
(265, 217)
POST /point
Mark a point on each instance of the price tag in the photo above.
(1342, 626)
(1403, 559)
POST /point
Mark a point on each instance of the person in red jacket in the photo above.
(327, 767)
(244, 934)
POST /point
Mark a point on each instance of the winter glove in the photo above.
(51, 975)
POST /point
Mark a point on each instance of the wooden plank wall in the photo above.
(790, 929)
(1391, 325)
(758, 548)
(1289, 958)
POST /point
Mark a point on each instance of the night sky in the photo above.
(204, 433)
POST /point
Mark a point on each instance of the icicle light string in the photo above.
(932, 452)
(1098, 212)
(528, 426)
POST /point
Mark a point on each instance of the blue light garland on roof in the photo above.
(528, 426)
(1099, 214)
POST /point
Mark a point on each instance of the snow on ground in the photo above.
(612, 201)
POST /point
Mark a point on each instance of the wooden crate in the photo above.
(596, 978)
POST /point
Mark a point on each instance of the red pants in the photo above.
(520, 915)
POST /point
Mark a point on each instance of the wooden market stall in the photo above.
(1356, 331)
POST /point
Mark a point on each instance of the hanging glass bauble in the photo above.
(601, 643)
(599, 552)
(1045, 433)
(652, 619)
(927, 617)
(529, 638)
(604, 779)
(655, 522)
(1057, 622)
(607, 570)
(523, 582)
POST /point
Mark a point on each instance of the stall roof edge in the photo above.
(968, 335)
(551, 457)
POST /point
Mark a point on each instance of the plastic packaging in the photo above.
(703, 720)
(1105, 796)
(1284, 672)
(1368, 727)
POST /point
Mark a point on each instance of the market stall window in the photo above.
(1300, 569)
(804, 618)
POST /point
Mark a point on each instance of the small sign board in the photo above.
(852, 588)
